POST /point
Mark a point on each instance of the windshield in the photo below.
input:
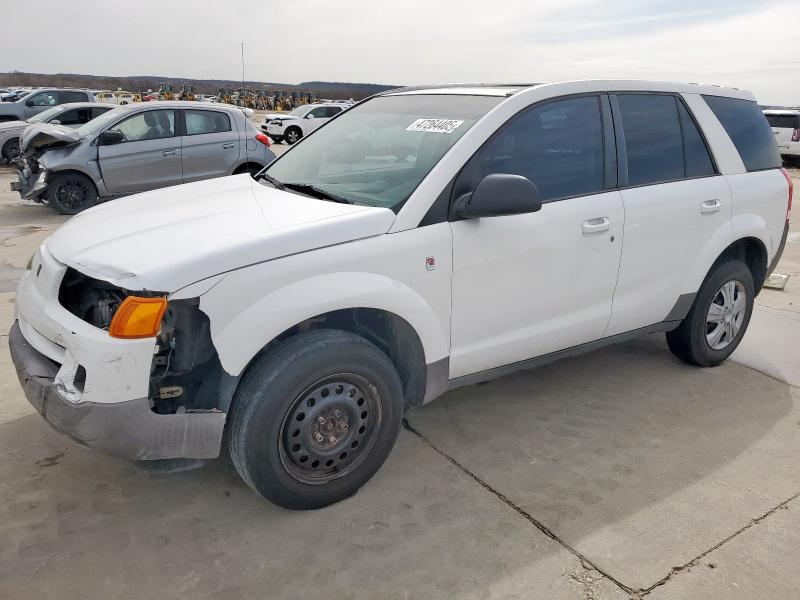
(45, 116)
(378, 152)
(300, 111)
(98, 123)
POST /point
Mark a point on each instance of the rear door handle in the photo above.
(710, 206)
(596, 225)
(227, 146)
(169, 153)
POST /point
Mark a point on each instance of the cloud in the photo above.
(739, 42)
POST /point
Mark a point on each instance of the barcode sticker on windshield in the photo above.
(434, 125)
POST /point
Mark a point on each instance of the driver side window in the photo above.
(149, 125)
(320, 112)
(557, 145)
(45, 99)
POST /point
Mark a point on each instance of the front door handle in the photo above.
(227, 146)
(169, 153)
(710, 206)
(596, 225)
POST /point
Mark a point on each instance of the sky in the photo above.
(750, 44)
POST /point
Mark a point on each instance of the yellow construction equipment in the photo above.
(165, 92)
(263, 100)
(186, 93)
(225, 95)
(245, 98)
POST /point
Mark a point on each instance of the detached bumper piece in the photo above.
(127, 430)
(29, 185)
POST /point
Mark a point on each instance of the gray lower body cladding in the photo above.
(129, 430)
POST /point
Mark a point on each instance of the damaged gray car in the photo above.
(72, 115)
(136, 148)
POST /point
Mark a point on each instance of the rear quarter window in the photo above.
(749, 131)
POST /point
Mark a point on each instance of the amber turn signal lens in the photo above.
(138, 318)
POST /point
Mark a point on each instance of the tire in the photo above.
(301, 447)
(70, 193)
(704, 339)
(11, 149)
(293, 135)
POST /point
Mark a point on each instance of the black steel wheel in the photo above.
(329, 428)
(70, 193)
(314, 418)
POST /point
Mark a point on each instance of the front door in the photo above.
(527, 285)
(315, 118)
(149, 157)
(41, 102)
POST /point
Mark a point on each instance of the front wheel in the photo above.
(11, 149)
(718, 318)
(70, 193)
(315, 418)
(293, 134)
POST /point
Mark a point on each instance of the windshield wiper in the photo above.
(272, 181)
(315, 192)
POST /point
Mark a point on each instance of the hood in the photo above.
(7, 126)
(279, 117)
(41, 135)
(167, 239)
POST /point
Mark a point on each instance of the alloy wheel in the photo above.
(726, 315)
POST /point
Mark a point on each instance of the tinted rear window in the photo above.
(749, 131)
(652, 138)
(784, 121)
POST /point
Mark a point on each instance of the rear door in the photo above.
(210, 145)
(675, 201)
(74, 117)
(783, 128)
(149, 157)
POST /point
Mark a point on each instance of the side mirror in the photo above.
(111, 136)
(55, 122)
(28, 103)
(497, 195)
(310, 116)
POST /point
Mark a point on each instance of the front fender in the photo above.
(240, 332)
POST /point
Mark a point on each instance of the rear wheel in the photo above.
(315, 418)
(718, 318)
(70, 193)
(11, 149)
(293, 134)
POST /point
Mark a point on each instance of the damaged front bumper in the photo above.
(30, 185)
(129, 429)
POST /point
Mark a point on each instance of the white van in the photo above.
(786, 127)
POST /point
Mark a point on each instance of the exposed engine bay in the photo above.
(186, 374)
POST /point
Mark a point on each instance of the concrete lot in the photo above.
(622, 473)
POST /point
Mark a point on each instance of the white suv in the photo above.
(300, 122)
(424, 240)
(786, 128)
